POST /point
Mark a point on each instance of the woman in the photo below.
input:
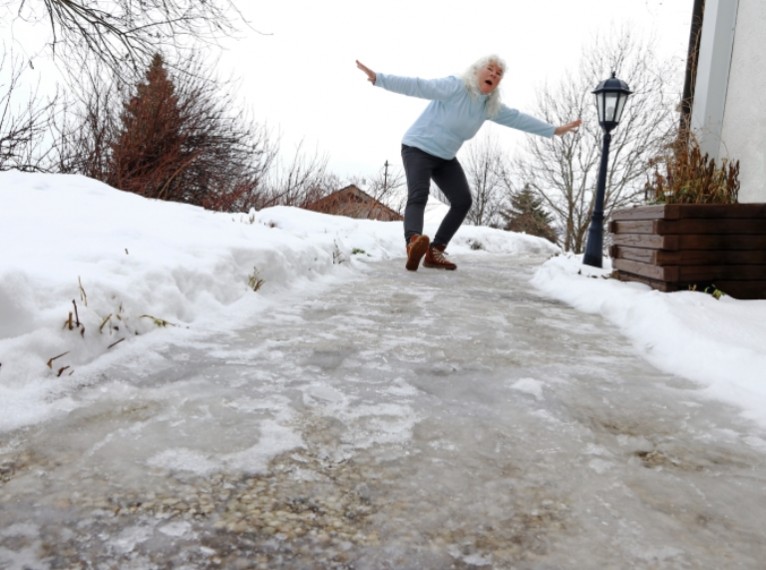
(458, 108)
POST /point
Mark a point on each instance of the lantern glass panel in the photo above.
(620, 107)
(610, 112)
(600, 106)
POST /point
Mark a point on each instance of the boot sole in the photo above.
(435, 266)
(417, 252)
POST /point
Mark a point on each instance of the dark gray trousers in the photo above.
(420, 168)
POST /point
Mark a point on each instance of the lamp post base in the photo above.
(594, 248)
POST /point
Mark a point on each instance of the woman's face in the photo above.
(489, 77)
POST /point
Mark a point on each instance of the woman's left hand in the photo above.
(564, 129)
(371, 75)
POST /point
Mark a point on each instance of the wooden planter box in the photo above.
(673, 247)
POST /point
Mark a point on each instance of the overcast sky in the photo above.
(298, 74)
(302, 78)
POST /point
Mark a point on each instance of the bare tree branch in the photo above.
(125, 34)
(484, 166)
(384, 186)
(298, 182)
(24, 120)
(84, 131)
(563, 170)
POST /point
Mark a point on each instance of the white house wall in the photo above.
(729, 111)
(713, 67)
(743, 136)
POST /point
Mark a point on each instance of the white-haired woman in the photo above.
(458, 108)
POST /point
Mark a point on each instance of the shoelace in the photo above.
(438, 256)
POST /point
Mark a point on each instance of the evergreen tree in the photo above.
(527, 215)
(148, 154)
(179, 139)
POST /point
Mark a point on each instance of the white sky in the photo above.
(135, 257)
(302, 79)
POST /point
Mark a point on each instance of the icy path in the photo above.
(410, 421)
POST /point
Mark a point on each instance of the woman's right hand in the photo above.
(371, 76)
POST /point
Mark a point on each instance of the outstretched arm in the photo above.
(564, 129)
(371, 75)
(413, 86)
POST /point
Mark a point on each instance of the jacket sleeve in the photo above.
(517, 120)
(415, 87)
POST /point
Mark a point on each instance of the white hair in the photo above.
(471, 80)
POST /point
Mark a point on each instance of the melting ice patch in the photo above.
(529, 386)
(183, 459)
(177, 529)
(275, 439)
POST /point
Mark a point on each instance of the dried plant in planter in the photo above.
(683, 175)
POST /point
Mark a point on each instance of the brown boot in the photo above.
(416, 249)
(435, 258)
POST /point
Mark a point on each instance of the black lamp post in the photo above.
(611, 95)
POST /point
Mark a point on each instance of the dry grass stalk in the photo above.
(684, 175)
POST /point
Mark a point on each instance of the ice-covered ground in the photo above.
(350, 414)
(394, 420)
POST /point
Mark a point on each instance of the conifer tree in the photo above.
(180, 140)
(148, 154)
(528, 215)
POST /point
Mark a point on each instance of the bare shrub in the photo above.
(684, 175)
(301, 180)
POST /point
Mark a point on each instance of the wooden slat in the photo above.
(655, 212)
(691, 211)
(640, 254)
(634, 227)
(651, 241)
(717, 272)
(716, 211)
(653, 283)
(719, 241)
(692, 241)
(646, 270)
(688, 257)
(707, 226)
(691, 273)
(709, 257)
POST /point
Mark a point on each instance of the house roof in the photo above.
(354, 202)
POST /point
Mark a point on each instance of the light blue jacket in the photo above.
(454, 114)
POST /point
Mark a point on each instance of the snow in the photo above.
(135, 273)
(719, 343)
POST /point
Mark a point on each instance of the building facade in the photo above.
(729, 113)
